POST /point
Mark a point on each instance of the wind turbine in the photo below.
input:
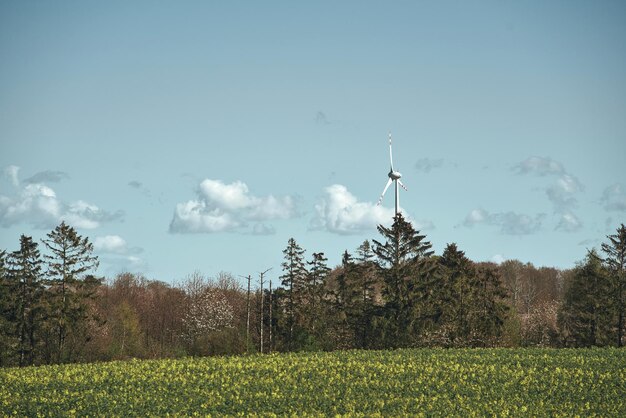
(394, 177)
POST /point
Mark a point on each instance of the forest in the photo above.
(390, 292)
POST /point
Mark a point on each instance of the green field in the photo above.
(503, 382)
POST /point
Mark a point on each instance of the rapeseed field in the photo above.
(414, 382)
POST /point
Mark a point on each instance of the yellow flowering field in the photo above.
(415, 382)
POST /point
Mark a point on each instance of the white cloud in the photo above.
(134, 260)
(614, 198)
(510, 223)
(562, 193)
(226, 196)
(38, 205)
(340, 212)
(116, 264)
(116, 256)
(422, 225)
(476, 216)
(194, 216)
(225, 207)
(498, 259)
(110, 244)
(569, 223)
(569, 184)
(82, 215)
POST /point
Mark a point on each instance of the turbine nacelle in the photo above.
(395, 175)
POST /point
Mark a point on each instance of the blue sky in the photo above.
(183, 136)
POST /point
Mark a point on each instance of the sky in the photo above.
(201, 136)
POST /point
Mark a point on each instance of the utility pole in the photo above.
(270, 343)
(248, 277)
(262, 298)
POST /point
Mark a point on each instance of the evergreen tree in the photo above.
(454, 296)
(585, 316)
(488, 309)
(615, 251)
(27, 288)
(71, 257)
(279, 320)
(314, 288)
(366, 281)
(408, 276)
(345, 300)
(293, 280)
(6, 320)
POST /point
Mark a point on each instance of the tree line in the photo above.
(392, 292)
(45, 301)
(397, 293)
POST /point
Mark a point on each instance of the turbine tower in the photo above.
(394, 177)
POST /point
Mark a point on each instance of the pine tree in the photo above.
(6, 320)
(27, 288)
(488, 309)
(314, 288)
(345, 300)
(585, 316)
(279, 320)
(402, 248)
(71, 257)
(293, 280)
(615, 251)
(366, 281)
(408, 274)
(454, 296)
(470, 301)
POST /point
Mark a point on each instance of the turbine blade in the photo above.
(390, 154)
(380, 199)
(403, 186)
